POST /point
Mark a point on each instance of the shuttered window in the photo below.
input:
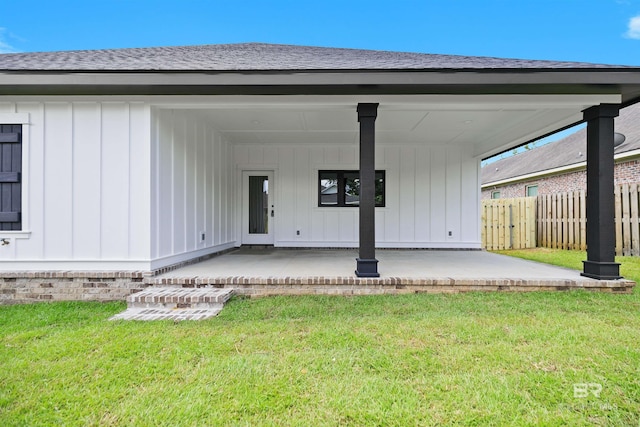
(10, 179)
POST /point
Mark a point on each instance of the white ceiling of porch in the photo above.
(486, 124)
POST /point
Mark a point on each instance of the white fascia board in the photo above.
(321, 77)
(388, 102)
(568, 168)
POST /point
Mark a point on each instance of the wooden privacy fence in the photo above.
(562, 220)
(508, 223)
(627, 224)
(558, 221)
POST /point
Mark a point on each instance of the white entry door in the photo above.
(258, 210)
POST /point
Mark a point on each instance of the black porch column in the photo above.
(367, 264)
(601, 239)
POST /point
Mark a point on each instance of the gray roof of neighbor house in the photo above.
(567, 151)
(263, 57)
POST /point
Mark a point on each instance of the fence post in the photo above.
(571, 219)
(618, 218)
(532, 235)
(539, 219)
(626, 224)
(496, 226)
(635, 232)
(510, 226)
(583, 220)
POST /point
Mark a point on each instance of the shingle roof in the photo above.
(262, 57)
(563, 152)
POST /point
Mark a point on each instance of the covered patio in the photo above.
(271, 271)
(137, 162)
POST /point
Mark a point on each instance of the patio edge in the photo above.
(267, 286)
(16, 288)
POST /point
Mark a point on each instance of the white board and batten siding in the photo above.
(121, 185)
(432, 195)
(85, 195)
(193, 188)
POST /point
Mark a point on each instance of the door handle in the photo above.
(271, 213)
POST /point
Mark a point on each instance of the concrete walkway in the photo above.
(286, 271)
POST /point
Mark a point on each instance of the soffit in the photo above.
(564, 152)
(483, 124)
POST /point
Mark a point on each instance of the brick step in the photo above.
(172, 297)
(164, 303)
(176, 314)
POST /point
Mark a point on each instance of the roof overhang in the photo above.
(490, 109)
(625, 82)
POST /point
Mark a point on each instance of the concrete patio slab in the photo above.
(331, 271)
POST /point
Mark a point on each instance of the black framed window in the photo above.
(341, 188)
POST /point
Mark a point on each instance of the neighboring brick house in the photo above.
(561, 165)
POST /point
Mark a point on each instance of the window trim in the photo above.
(24, 120)
(340, 202)
(526, 190)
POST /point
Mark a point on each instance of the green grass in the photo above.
(629, 265)
(469, 359)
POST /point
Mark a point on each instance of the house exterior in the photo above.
(560, 166)
(136, 160)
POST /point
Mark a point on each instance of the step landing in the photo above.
(173, 303)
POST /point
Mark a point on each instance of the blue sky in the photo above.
(602, 31)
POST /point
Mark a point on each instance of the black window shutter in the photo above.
(10, 177)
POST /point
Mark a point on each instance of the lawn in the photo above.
(542, 358)
(629, 265)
